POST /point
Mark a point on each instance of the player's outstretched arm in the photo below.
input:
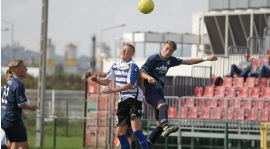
(99, 81)
(192, 61)
(118, 89)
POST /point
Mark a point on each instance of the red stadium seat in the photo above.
(183, 112)
(190, 102)
(222, 103)
(240, 114)
(238, 82)
(212, 103)
(252, 115)
(201, 103)
(265, 114)
(235, 103)
(205, 113)
(209, 91)
(263, 60)
(217, 113)
(262, 82)
(220, 91)
(247, 104)
(250, 82)
(230, 114)
(195, 91)
(172, 112)
(243, 93)
(255, 92)
(227, 82)
(193, 113)
(266, 92)
(259, 104)
(231, 93)
(200, 91)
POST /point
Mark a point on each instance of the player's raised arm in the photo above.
(100, 81)
(192, 61)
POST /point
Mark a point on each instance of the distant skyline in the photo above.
(77, 21)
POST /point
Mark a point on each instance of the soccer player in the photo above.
(129, 112)
(154, 71)
(13, 101)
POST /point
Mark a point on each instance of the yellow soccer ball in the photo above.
(146, 6)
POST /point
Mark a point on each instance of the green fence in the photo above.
(68, 133)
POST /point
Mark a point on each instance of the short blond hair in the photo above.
(14, 64)
(171, 43)
(130, 45)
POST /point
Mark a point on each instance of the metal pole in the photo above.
(66, 118)
(93, 63)
(53, 101)
(54, 132)
(42, 75)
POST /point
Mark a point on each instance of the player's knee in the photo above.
(160, 105)
(164, 107)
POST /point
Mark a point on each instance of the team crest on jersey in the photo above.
(168, 62)
(162, 69)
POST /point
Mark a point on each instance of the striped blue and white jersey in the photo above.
(124, 73)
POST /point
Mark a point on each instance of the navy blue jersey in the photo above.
(157, 67)
(13, 96)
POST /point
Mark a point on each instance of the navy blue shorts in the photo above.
(16, 133)
(154, 98)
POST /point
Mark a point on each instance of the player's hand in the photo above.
(93, 78)
(212, 58)
(107, 90)
(24, 115)
(151, 80)
(33, 108)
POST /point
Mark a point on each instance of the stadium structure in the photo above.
(232, 115)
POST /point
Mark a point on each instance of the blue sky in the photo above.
(76, 21)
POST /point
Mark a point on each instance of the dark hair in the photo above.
(171, 43)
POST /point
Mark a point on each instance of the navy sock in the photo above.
(3, 146)
(163, 116)
(141, 138)
(154, 135)
(124, 142)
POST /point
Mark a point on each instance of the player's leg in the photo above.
(136, 123)
(155, 134)
(18, 137)
(3, 140)
(122, 122)
(163, 118)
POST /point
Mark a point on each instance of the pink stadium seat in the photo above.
(250, 82)
(230, 114)
(255, 92)
(193, 113)
(183, 112)
(205, 113)
(200, 91)
(212, 103)
(195, 91)
(172, 112)
(190, 102)
(209, 91)
(231, 93)
(240, 114)
(222, 103)
(252, 115)
(235, 103)
(220, 91)
(217, 113)
(247, 104)
(263, 60)
(243, 93)
(227, 82)
(266, 92)
(201, 103)
(264, 117)
(259, 104)
(262, 82)
(268, 51)
(238, 82)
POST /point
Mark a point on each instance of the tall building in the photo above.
(50, 68)
(70, 59)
